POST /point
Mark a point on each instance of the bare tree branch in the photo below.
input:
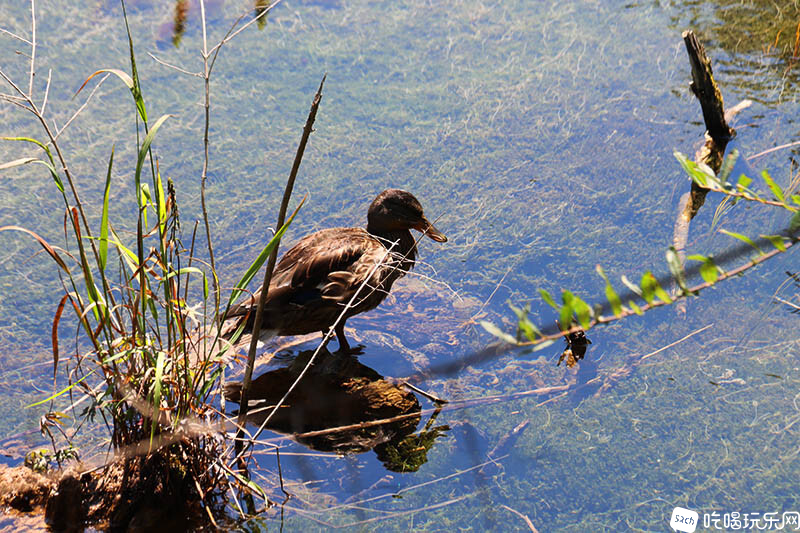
(179, 69)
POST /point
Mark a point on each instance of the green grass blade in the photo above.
(776, 240)
(51, 166)
(148, 140)
(130, 258)
(743, 238)
(187, 270)
(18, 162)
(135, 86)
(122, 75)
(144, 199)
(103, 250)
(161, 205)
(56, 395)
(253, 268)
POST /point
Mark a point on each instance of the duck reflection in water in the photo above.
(327, 407)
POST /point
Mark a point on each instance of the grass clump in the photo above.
(149, 363)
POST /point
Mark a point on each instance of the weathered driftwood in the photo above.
(718, 132)
(717, 135)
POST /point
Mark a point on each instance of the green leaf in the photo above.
(210, 381)
(611, 294)
(700, 173)
(742, 238)
(635, 307)
(524, 325)
(794, 224)
(103, 251)
(497, 332)
(648, 289)
(662, 294)
(253, 268)
(776, 190)
(796, 198)
(566, 311)
(727, 166)
(652, 288)
(776, 240)
(676, 268)
(548, 299)
(708, 269)
(579, 307)
(743, 184)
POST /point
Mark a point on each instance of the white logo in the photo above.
(683, 520)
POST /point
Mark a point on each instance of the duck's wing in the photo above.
(318, 266)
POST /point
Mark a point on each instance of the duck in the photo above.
(320, 275)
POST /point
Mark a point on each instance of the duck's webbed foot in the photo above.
(344, 346)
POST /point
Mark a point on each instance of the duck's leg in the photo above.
(344, 346)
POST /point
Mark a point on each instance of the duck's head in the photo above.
(394, 210)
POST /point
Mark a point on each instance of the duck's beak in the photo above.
(427, 229)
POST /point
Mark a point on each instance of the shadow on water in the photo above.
(337, 407)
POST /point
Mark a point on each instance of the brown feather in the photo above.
(324, 271)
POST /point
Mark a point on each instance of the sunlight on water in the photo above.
(541, 136)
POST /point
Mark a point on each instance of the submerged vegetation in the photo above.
(672, 411)
(711, 173)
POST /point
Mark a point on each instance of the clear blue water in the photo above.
(542, 136)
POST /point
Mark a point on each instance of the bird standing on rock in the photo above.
(318, 276)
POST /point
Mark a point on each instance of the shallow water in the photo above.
(542, 136)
